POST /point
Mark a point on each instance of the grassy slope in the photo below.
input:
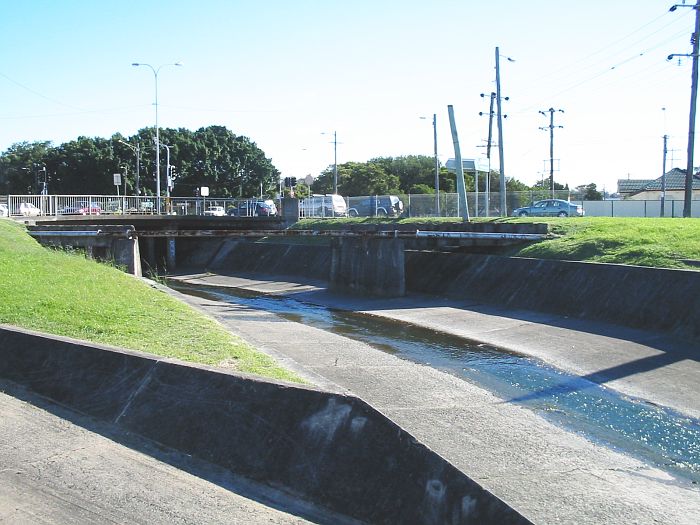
(67, 294)
(653, 242)
(656, 242)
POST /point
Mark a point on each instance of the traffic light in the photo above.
(290, 182)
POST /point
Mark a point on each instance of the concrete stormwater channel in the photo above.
(657, 435)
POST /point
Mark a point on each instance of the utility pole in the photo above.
(693, 102)
(500, 117)
(136, 149)
(663, 177)
(500, 136)
(461, 188)
(551, 144)
(487, 188)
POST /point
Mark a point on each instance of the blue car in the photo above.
(550, 208)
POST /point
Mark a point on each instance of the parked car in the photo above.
(376, 206)
(27, 209)
(550, 208)
(215, 211)
(259, 208)
(4, 211)
(266, 208)
(82, 208)
(331, 205)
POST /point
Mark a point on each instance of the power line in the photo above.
(34, 92)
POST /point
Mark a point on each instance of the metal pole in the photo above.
(504, 211)
(437, 167)
(138, 165)
(691, 128)
(663, 178)
(551, 150)
(335, 163)
(155, 76)
(488, 156)
(167, 171)
(461, 189)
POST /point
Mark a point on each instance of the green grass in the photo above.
(67, 294)
(656, 242)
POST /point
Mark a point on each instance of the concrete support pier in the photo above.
(368, 265)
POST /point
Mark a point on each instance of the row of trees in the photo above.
(399, 175)
(416, 174)
(230, 165)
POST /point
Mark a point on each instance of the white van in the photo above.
(323, 206)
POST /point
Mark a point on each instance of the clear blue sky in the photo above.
(283, 72)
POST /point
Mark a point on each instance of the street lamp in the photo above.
(437, 166)
(335, 161)
(155, 76)
(136, 149)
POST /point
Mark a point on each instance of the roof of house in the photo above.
(675, 180)
(631, 185)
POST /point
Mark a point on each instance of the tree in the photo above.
(589, 192)
(230, 165)
(357, 178)
(19, 166)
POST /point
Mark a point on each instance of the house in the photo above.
(650, 189)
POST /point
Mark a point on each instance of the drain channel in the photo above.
(658, 435)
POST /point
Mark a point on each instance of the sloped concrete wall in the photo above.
(309, 261)
(648, 298)
(333, 450)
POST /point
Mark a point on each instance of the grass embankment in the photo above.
(67, 294)
(656, 242)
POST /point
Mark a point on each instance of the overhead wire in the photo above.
(601, 73)
(34, 92)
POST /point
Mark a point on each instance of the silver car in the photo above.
(550, 208)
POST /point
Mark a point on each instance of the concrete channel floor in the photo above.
(545, 472)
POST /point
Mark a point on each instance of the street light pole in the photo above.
(137, 150)
(335, 161)
(437, 166)
(155, 76)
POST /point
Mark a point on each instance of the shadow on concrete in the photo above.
(332, 450)
(212, 473)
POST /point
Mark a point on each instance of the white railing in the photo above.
(323, 206)
(59, 205)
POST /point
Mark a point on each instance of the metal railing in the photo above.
(59, 205)
(325, 206)
(423, 205)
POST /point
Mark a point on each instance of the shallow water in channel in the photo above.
(657, 435)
